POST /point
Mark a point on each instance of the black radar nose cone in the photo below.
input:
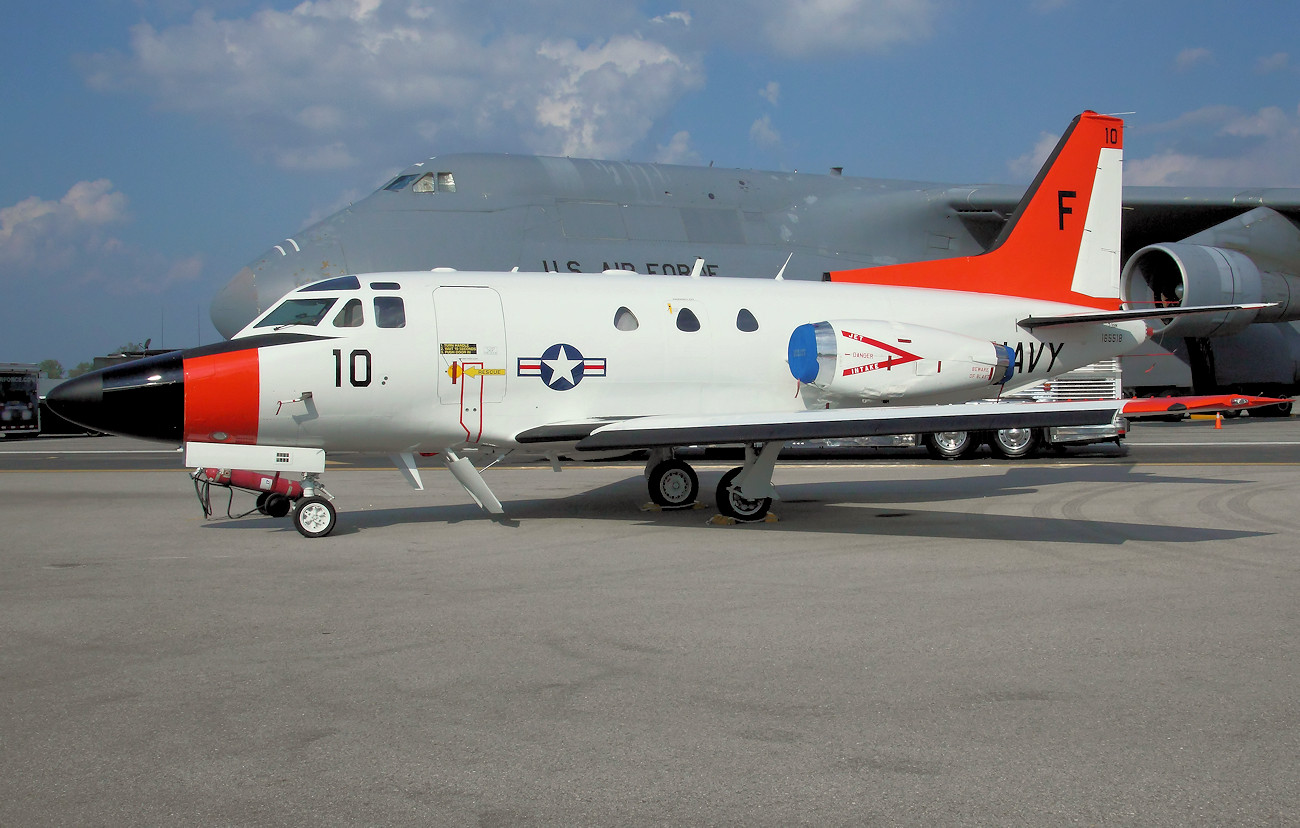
(143, 398)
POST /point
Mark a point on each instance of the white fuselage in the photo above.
(482, 357)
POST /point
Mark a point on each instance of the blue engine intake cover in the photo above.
(803, 354)
(1007, 356)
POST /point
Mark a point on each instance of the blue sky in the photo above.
(153, 147)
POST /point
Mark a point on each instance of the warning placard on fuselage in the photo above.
(458, 348)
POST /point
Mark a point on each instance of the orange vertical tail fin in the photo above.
(1062, 242)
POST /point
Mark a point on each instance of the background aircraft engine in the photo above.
(1181, 274)
(878, 361)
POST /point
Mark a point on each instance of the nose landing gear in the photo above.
(314, 516)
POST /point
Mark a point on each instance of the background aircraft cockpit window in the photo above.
(401, 181)
(425, 184)
(625, 320)
(446, 182)
(745, 321)
(687, 321)
(341, 283)
(298, 312)
(390, 312)
(385, 286)
(351, 316)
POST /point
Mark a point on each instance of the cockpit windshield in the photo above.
(401, 181)
(298, 312)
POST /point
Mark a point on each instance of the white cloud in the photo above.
(331, 83)
(801, 28)
(33, 229)
(771, 92)
(1269, 122)
(677, 151)
(68, 243)
(333, 156)
(762, 133)
(1222, 146)
(1272, 63)
(1189, 58)
(1027, 166)
(606, 96)
(682, 17)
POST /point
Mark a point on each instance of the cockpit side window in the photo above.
(390, 312)
(425, 184)
(351, 316)
(298, 312)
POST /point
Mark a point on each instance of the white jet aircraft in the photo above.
(577, 365)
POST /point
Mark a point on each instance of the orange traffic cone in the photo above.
(1218, 419)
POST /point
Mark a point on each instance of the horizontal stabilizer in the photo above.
(1101, 317)
(820, 424)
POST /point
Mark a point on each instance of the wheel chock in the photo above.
(655, 507)
(723, 520)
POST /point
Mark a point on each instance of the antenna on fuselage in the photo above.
(780, 274)
(697, 268)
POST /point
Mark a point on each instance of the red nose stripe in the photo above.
(221, 397)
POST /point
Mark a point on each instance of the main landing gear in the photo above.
(744, 494)
(672, 482)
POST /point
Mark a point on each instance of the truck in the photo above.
(1099, 381)
(20, 410)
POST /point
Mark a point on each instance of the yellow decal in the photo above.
(456, 371)
(458, 348)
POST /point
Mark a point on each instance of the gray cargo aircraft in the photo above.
(1199, 246)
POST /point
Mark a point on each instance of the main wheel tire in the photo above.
(951, 445)
(1013, 443)
(734, 506)
(315, 517)
(276, 505)
(673, 484)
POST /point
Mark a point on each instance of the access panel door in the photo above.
(471, 352)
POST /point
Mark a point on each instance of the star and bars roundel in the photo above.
(561, 367)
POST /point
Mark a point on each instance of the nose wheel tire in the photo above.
(673, 484)
(315, 517)
(732, 505)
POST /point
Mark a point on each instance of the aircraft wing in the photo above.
(1096, 317)
(817, 424)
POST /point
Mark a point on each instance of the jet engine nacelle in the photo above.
(1189, 275)
(878, 361)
